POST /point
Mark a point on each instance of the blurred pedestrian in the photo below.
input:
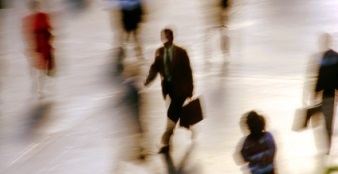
(132, 140)
(132, 98)
(187, 164)
(218, 26)
(259, 146)
(38, 36)
(225, 6)
(225, 40)
(131, 16)
(129, 142)
(173, 65)
(327, 83)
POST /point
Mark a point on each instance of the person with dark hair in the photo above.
(173, 65)
(259, 146)
(37, 32)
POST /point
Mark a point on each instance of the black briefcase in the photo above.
(303, 116)
(191, 113)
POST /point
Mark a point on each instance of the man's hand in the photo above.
(143, 86)
(190, 95)
(317, 95)
(146, 82)
(313, 99)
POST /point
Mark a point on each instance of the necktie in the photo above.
(168, 65)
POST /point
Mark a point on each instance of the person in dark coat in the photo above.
(327, 83)
(173, 65)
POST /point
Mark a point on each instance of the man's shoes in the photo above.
(164, 149)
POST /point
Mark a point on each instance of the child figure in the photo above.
(259, 146)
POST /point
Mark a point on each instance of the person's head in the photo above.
(167, 36)
(255, 123)
(325, 41)
(34, 5)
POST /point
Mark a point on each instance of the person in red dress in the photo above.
(37, 33)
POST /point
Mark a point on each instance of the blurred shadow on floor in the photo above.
(187, 164)
(77, 7)
(115, 67)
(38, 117)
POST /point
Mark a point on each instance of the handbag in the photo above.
(191, 113)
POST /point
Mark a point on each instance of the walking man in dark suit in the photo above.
(173, 65)
(327, 83)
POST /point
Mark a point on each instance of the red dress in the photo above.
(38, 34)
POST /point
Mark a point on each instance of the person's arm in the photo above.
(319, 83)
(187, 66)
(244, 151)
(269, 154)
(311, 73)
(154, 69)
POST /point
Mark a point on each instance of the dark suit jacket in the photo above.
(181, 77)
(327, 80)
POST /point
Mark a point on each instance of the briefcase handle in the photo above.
(190, 99)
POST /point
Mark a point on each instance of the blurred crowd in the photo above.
(171, 66)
